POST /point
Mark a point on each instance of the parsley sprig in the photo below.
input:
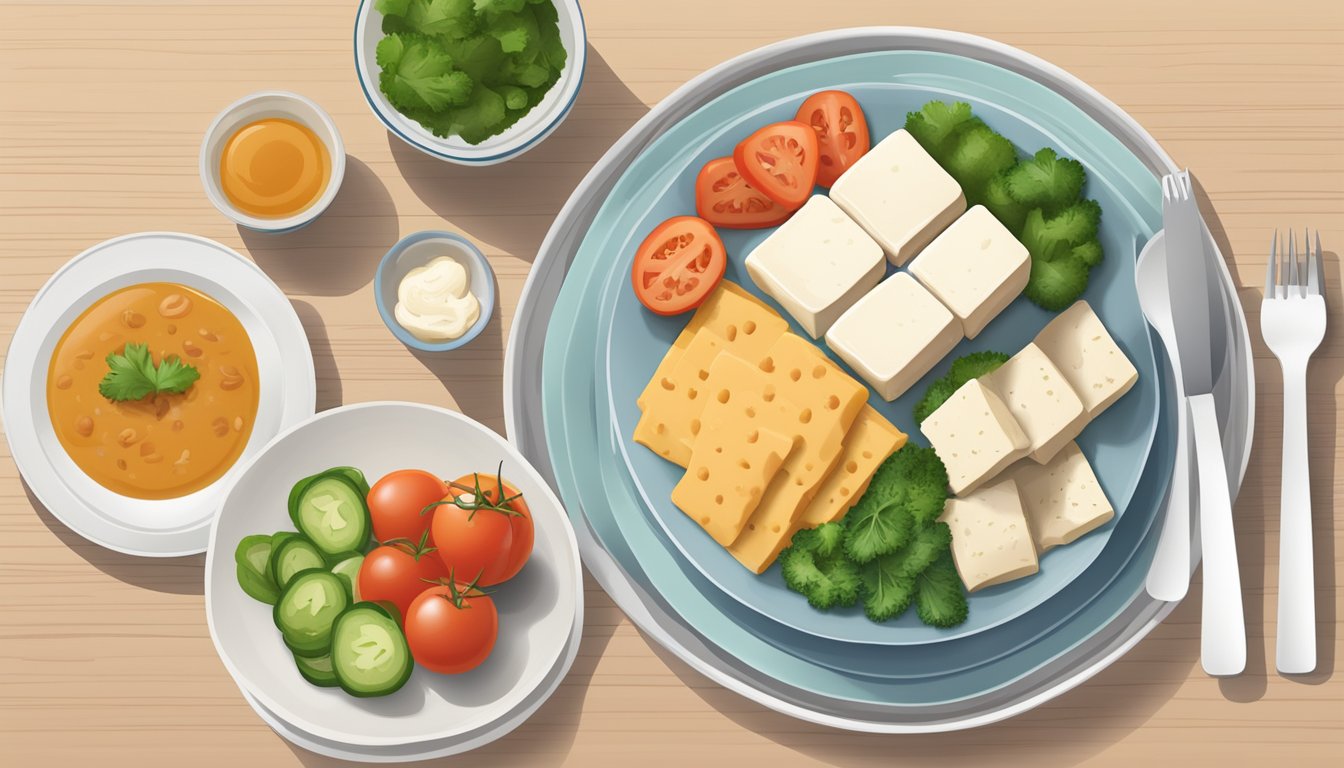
(132, 375)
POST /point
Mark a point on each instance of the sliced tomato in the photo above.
(725, 199)
(781, 161)
(678, 264)
(842, 132)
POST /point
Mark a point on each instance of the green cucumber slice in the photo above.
(253, 557)
(348, 571)
(258, 586)
(331, 512)
(369, 653)
(295, 554)
(317, 670)
(308, 609)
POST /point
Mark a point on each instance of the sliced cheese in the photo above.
(817, 264)
(975, 267)
(868, 443)
(1062, 499)
(801, 372)
(900, 195)
(748, 324)
(672, 406)
(1041, 400)
(732, 462)
(975, 436)
(991, 541)
(1089, 358)
(894, 335)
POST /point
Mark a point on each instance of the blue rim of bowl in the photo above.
(411, 140)
(486, 294)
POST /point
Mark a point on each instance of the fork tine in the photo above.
(1290, 280)
(1271, 267)
(1315, 269)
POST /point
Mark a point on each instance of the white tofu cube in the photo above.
(975, 267)
(991, 541)
(1040, 398)
(1089, 358)
(894, 335)
(900, 195)
(975, 436)
(817, 264)
(1062, 499)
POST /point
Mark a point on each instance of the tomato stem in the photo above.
(479, 500)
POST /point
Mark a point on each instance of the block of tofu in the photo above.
(991, 540)
(732, 461)
(894, 335)
(870, 440)
(900, 195)
(817, 264)
(1062, 499)
(975, 436)
(1089, 358)
(975, 267)
(1040, 398)
(747, 324)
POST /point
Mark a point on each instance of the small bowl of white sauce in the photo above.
(435, 291)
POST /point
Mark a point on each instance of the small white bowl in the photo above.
(417, 250)
(259, 106)
(528, 132)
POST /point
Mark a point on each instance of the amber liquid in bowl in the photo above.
(274, 168)
(166, 445)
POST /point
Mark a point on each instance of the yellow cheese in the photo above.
(829, 400)
(673, 405)
(869, 442)
(748, 324)
(732, 462)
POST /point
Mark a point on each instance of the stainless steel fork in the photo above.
(1292, 320)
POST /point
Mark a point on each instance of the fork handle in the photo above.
(1222, 648)
(1296, 648)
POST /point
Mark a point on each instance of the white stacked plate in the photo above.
(540, 610)
(577, 326)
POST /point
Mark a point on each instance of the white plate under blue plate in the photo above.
(152, 528)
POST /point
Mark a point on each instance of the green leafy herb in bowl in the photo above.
(468, 68)
(132, 375)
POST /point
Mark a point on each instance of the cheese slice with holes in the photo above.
(991, 541)
(732, 462)
(1062, 499)
(975, 436)
(748, 324)
(672, 406)
(867, 444)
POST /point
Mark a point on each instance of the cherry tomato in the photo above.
(781, 161)
(842, 132)
(725, 199)
(397, 500)
(520, 522)
(451, 629)
(678, 264)
(398, 572)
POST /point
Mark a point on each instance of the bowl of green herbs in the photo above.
(474, 82)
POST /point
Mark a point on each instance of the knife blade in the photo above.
(1189, 270)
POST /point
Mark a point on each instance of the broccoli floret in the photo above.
(1063, 250)
(936, 125)
(905, 494)
(1008, 211)
(977, 155)
(1046, 181)
(962, 370)
(940, 599)
(887, 591)
(815, 566)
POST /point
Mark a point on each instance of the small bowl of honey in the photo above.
(272, 161)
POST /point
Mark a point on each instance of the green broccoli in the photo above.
(940, 599)
(1046, 181)
(889, 581)
(417, 75)
(977, 155)
(815, 566)
(962, 370)
(906, 494)
(936, 126)
(1063, 248)
(1008, 211)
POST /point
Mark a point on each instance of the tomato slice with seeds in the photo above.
(780, 160)
(725, 199)
(678, 264)
(842, 132)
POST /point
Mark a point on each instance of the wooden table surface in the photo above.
(106, 659)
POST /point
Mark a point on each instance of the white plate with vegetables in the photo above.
(371, 582)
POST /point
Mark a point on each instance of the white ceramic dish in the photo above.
(156, 528)
(258, 106)
(529, 131)
(524, 354)
(417, 250)
(538, 608)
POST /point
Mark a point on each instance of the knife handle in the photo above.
(1222, 648)
(1169, 575)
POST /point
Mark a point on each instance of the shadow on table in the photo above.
(338, 253)
(174, 575)
(329, 389)
(545, 739)
(512, 205)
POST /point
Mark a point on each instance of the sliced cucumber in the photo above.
(368, 651)
(308, 609)
(295, 554)
(253, 558)
(258, 586)
(317, 670)
(348, 571)
(330, 510)
(355, 477)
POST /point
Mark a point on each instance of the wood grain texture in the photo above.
(106, 659)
